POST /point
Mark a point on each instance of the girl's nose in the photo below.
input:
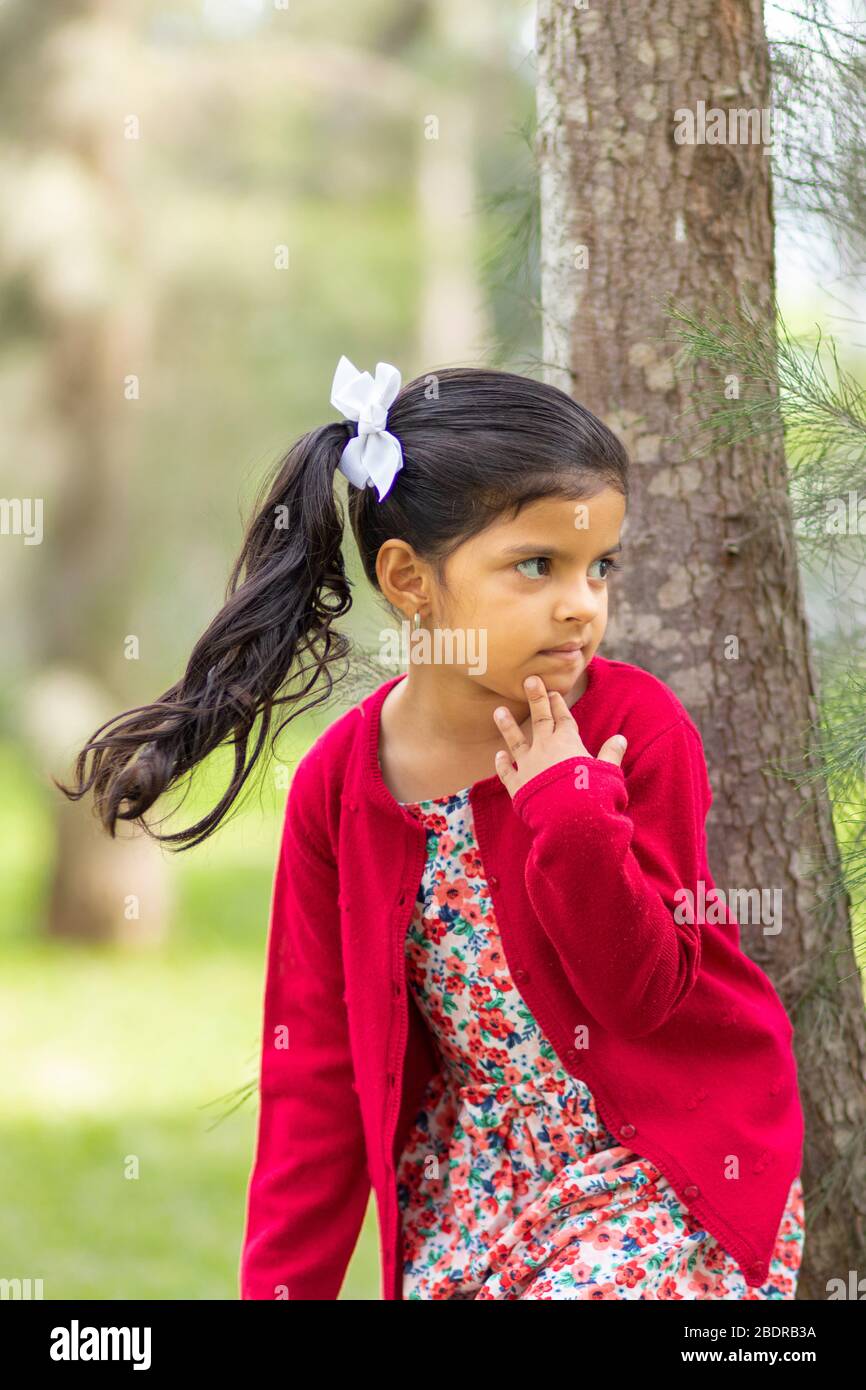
(580, 604)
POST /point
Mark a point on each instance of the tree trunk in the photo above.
(101, 890)
(710, 597)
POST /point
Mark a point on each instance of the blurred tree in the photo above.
(453, 323)
(65, 243)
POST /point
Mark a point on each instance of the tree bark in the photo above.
(710, 597)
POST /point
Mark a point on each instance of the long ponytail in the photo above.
(286, 588)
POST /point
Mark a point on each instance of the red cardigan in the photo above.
(681, 1038)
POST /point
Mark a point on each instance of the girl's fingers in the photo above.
(505, 769)
(539, 703)
(510, 731)
(561, 713)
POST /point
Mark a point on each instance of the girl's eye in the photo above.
(534, 560)
(543, 560)
(611, 565)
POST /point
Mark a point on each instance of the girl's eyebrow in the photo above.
(542, 549)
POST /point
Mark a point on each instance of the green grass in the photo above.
(121, 1180)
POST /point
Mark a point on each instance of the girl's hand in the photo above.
(554, 738)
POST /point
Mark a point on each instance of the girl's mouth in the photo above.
(570, 651)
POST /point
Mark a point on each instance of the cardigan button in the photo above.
(691, 1192)
(627, 1131)
(493, 881)
(571, 1054)
(756, 1270)
(520, 975)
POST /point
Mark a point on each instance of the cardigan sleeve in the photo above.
(610, 858)
(309, 1185)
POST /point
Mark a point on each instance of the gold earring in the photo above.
(417, 622)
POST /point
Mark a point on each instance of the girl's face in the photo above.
(531, 584)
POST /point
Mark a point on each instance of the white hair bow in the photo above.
(372, 457)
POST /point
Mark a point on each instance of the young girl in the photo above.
(501, 986)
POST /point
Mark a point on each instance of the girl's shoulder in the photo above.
(641, 705)
(319, 776)
(664, 742)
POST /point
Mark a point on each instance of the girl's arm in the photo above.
(309, 1185)
(606, 863)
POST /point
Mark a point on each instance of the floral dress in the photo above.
(509, 1184)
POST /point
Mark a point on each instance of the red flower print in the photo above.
(498, 1057)
(470, 862)
(492, 961)
(715, 1258)
(433, 928)
(664, 1223)
(522, 1180)
(496, 1023)
(642, 1232)
(599, 1293)
(479, 995)
(444, 1288)
(473, 1095)
(607, 1238)
(542, 1289)
(630, 1275)
(705, 1285)
(452, 893)
(560, 1138)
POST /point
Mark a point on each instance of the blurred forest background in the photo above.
(202, 206)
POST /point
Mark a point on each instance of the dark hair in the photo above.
(477, 444)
